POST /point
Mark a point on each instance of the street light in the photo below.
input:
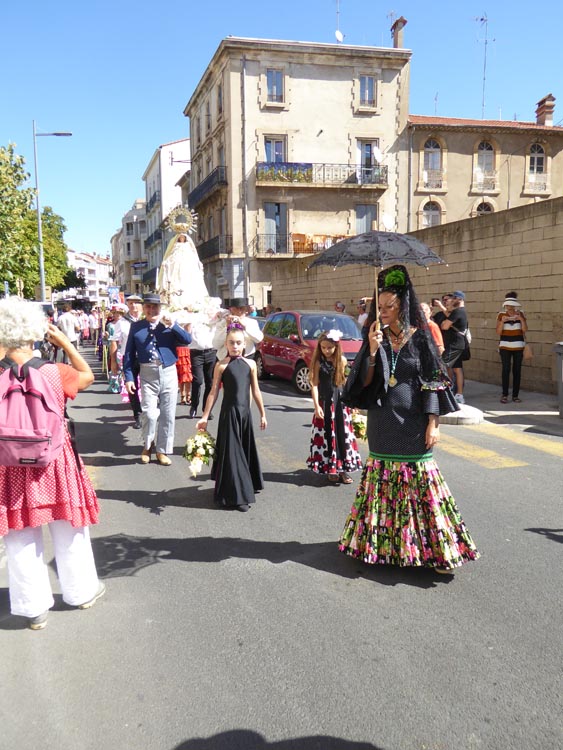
(38, 207)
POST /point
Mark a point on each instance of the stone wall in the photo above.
(520, 249)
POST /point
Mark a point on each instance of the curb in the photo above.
(465, 416)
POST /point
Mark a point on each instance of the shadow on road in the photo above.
(243, 739)
(555, 535)
(123, 555)
(158, 500)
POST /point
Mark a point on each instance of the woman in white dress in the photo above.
(180, 279)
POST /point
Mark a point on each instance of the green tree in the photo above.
(72, 280)
(15, 203)
(54, 251)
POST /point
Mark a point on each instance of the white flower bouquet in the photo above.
(359, 425)
(199, 450)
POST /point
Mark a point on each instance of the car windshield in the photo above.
(313, 324)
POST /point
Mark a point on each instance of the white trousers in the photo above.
(159, 395)
(28, 574)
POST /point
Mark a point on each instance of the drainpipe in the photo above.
(246, 264)
(409, 195)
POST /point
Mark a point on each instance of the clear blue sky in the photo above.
(119, 73)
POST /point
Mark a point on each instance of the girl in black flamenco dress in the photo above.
(334, 450)
(236, 468)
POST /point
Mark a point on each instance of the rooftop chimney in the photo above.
(544, 111)
(397, 30)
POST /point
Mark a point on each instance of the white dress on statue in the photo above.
(180, 278)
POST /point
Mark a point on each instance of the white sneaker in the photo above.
(459, 398)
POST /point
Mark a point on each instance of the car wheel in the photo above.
(260, 369)
(301, 378)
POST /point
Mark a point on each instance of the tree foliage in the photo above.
(19, 243)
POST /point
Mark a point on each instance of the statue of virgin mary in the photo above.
(180, 278)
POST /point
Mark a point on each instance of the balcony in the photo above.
(536, 182)
(484, 182)
(299, 174)
(271, 245)
(433, 179)
(220, 245)
(213, 181)
(153, 200)
(152, 238)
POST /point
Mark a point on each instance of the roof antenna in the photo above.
(484, 21)
(338, 34)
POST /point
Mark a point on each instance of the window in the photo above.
(431, 214)
(273, 326)
(128, 248)
(366, 217)
(198, 129)
(275, 149)
(484, 208)
(129, 228)
(220, 99)
(537, 159)
(367, 91)
(274, 84)
(432, 174)
(289, 327)
(208, 116)
(275, 238)
(484, 177)
(368, 156)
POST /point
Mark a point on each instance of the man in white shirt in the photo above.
(238, 307)
(68, 323)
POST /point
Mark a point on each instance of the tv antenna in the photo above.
(338, 34)
(484, 21)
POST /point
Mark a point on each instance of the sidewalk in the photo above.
(538, 412)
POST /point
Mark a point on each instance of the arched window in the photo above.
(484, 208)
(431, 214)
(432, 176)
(485, 167)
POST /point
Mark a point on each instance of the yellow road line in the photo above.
(520, 438)
(482, 456)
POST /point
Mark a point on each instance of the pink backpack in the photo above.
(31, 424)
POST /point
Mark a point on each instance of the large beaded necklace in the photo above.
(396, 340)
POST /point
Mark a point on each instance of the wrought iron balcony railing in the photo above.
(433, 179)
(220, 245)
(153, 200)
(154, 237)
(305, 173)
(213, 181)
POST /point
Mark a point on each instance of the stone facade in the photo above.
(520, 249)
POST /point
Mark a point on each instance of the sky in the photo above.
(118, 74)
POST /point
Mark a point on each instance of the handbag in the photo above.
(528, 353)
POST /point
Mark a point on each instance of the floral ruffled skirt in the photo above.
(404, 514)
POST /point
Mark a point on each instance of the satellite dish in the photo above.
(339, 36)
(388, 222)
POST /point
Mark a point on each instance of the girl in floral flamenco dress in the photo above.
(334, 450)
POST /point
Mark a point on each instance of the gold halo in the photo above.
(182, 227)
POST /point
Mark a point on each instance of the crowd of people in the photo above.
(409, 371)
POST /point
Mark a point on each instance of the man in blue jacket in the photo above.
(152, 346)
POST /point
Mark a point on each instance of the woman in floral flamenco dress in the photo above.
(403, 513)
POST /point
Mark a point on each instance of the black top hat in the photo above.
(237, 302)
(151, 299)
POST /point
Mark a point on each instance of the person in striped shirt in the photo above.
(511, 327)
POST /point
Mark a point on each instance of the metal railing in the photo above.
(155, 197)
(308, 173)
(433, 179)
(536, 183)
(214, 180)
(154, 237)
(484, 181)
(220, 245)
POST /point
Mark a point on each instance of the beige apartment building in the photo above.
(295, 145)
(128, 249)
(466, 168)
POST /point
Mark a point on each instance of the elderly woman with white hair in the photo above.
(59, 494)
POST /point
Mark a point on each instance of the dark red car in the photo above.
(290, 338)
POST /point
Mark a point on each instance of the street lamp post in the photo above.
(38, 208)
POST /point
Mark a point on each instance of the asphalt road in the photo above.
(225, 631)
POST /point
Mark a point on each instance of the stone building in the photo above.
(467, 168)
(294, 146)
(128, 253)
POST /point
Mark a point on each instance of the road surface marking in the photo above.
(554, 448)
(482, 456)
